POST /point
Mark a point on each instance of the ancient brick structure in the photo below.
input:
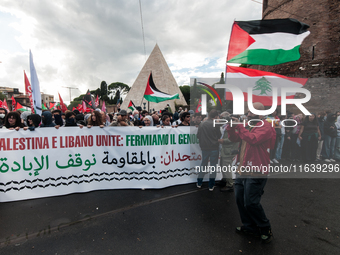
(320, 51)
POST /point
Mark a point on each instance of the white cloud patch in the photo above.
(80, 43)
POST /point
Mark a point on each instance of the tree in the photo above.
(113, 88)
(2, 96)
(185, 89)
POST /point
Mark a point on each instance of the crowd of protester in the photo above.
(298, 138)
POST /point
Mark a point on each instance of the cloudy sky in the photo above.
(79, 43)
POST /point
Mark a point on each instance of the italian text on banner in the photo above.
(51, 162)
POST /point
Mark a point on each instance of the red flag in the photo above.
(52, 105)
(84, 107)
(62, 105)
(0, 103)
(97, 102)
(80, 108)
(199, 106)
(28, 90)
(13, 104)
(103, 107)
(4, 105)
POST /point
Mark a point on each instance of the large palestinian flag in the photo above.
(262, 84)
(266, 42)
(152, 94)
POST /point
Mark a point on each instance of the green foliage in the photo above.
(113, 89)
(109, 94)
(185, 89)
(2, 96)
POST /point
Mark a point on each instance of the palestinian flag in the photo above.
(262, 84)
(131, 106)
(152, 94)
(266, 42)
(19, 107)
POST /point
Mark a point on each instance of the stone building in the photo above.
(320, 51)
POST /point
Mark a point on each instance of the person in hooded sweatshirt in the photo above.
(70, 119)
(330, 133)
(58, 120)
(46, 118)
(33, 121)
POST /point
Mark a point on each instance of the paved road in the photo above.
(304, 214)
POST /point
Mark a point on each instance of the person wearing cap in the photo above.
(122, 120)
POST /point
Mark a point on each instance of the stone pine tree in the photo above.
(263, 85)
(103, 91)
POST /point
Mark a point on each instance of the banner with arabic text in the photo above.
(50, 162)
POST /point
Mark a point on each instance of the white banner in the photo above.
(49, 162)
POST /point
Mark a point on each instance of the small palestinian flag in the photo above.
(131, 106)
(266, 42)
(152, 94)
(19, 107)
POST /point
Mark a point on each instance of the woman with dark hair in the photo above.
(309, 136)
(95, 120)
(13, 121)
(33, 121)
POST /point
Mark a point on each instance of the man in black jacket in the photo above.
(208, 136)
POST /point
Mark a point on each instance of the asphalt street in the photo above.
(304, 214)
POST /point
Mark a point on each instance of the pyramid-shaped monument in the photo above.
(163, 80)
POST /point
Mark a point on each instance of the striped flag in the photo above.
(261, 83)
(28, 90)
(131, 106)
(35, 86)
(152, 94)
(266, 42)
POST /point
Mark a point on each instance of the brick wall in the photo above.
(320, 51)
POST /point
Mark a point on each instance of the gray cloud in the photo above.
(102, 40)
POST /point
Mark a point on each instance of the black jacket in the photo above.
(208, 135)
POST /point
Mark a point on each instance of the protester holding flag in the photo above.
(254, 152)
